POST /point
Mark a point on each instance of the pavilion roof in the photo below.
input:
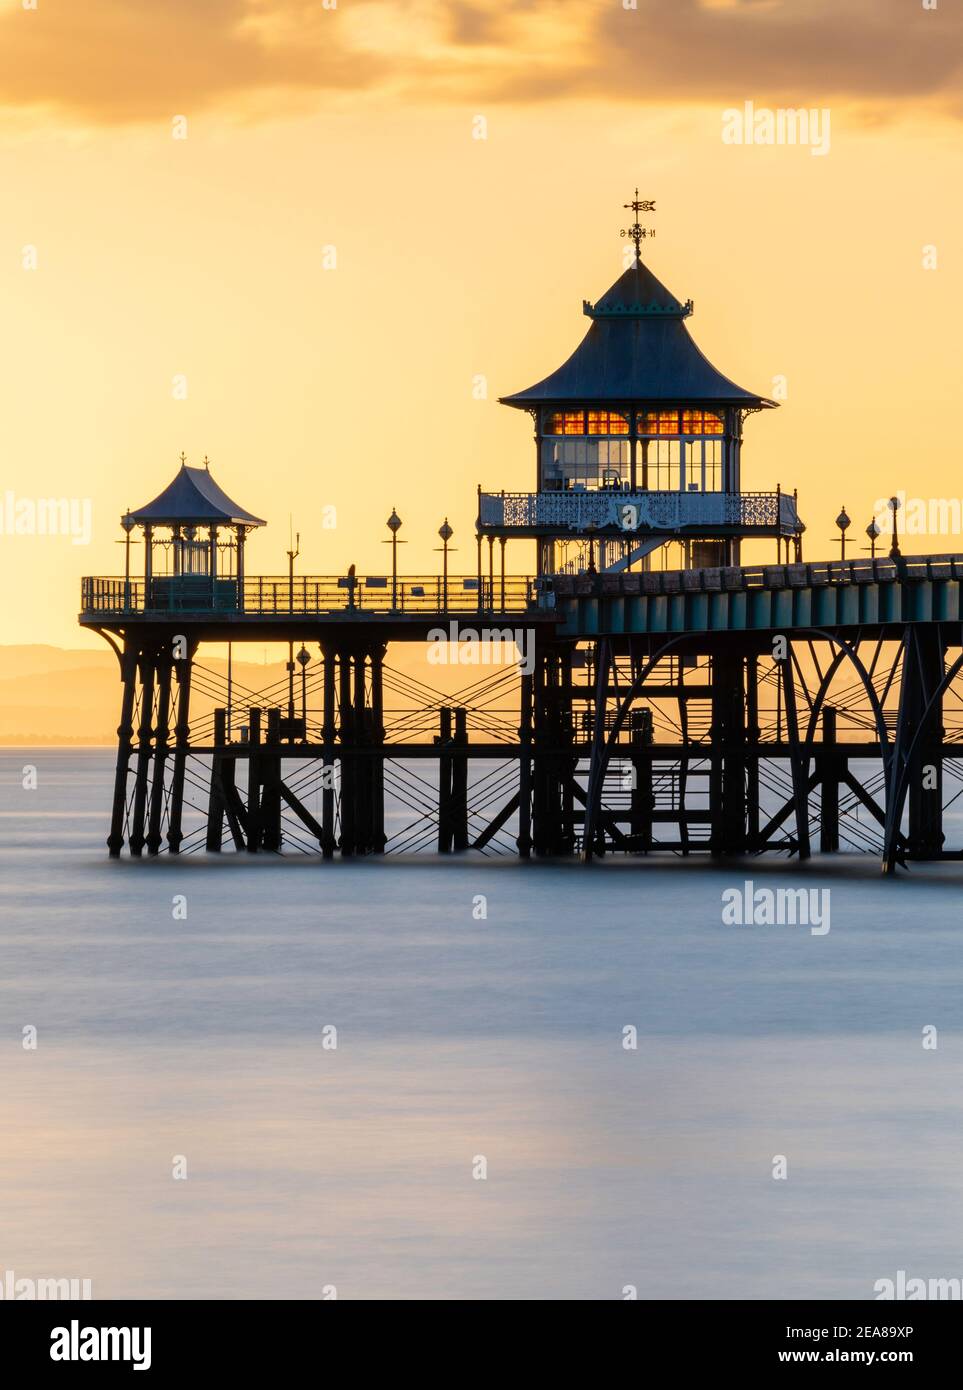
(637, 349)
(194, 498)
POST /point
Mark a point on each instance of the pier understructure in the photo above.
(787, 709)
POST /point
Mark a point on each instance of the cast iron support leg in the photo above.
(348, 761)
(829, 786)
(128, 675)
(161, 749)
(593, 798)
(254, 783)
(797, 761)
(752, 751)
(378, 740)
(144, 734)
(215, 805)
(271, 778)
(925, 769)
(327, 765)
(459, 782)
(524, 841)
(444, 782)
(182, 734)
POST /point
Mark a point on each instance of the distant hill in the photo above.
(49, 695)
(58, 696)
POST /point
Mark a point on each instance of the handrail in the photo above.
(735, 578)
(649, 511)
(273, 595)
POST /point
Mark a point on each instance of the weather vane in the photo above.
(637, 231)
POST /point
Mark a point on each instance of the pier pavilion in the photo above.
(638, 445)
(707, 708)
(199, 533)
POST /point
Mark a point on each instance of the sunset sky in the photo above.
(310, 128)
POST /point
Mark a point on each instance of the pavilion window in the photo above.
(565, 422)
(195, 552)
(703, 465)
(607, 422)
(658, 422)
(659, 467)
(585, 465)
(680, 449)
(701, 422)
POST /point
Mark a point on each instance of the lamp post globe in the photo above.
(446, 533)
(843, 522)
(128, 523)
(894, 550)
(873, 532)
(394, 526)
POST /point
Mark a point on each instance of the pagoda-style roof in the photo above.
(637, 349)
(637, 294)
(194, 499)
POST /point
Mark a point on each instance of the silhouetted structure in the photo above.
(711, 707)
(638, 442)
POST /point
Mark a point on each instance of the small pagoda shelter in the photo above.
(638, 443)
(194, 537)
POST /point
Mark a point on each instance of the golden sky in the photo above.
(310, 128)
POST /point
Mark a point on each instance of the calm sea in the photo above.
(465, 1044)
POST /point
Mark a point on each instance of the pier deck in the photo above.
(723, 711)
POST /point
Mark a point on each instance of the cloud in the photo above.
(132, 60)
(803, 51)
(116, 61)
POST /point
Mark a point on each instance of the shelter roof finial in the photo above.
(183, 459)
(637, 231)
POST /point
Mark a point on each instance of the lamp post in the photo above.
(127, 521)
(844, 523)
(894, 550)
(590, 532)
(872, 530)
(394, 526)
(446, 533)
(304, 657)
(292, 554)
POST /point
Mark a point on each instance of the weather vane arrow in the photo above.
(637, 231)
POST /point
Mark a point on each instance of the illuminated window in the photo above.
(659, 422)
(701, 422)
(607, 422)
(566, 422)
(669, 422)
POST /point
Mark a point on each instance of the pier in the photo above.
(662, 712)
(670, 699)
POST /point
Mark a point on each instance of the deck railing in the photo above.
(741, 578)
(642, 511)
(269, 595)
(266, 596)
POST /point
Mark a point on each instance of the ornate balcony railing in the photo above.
(640, 511)
(267, 596)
